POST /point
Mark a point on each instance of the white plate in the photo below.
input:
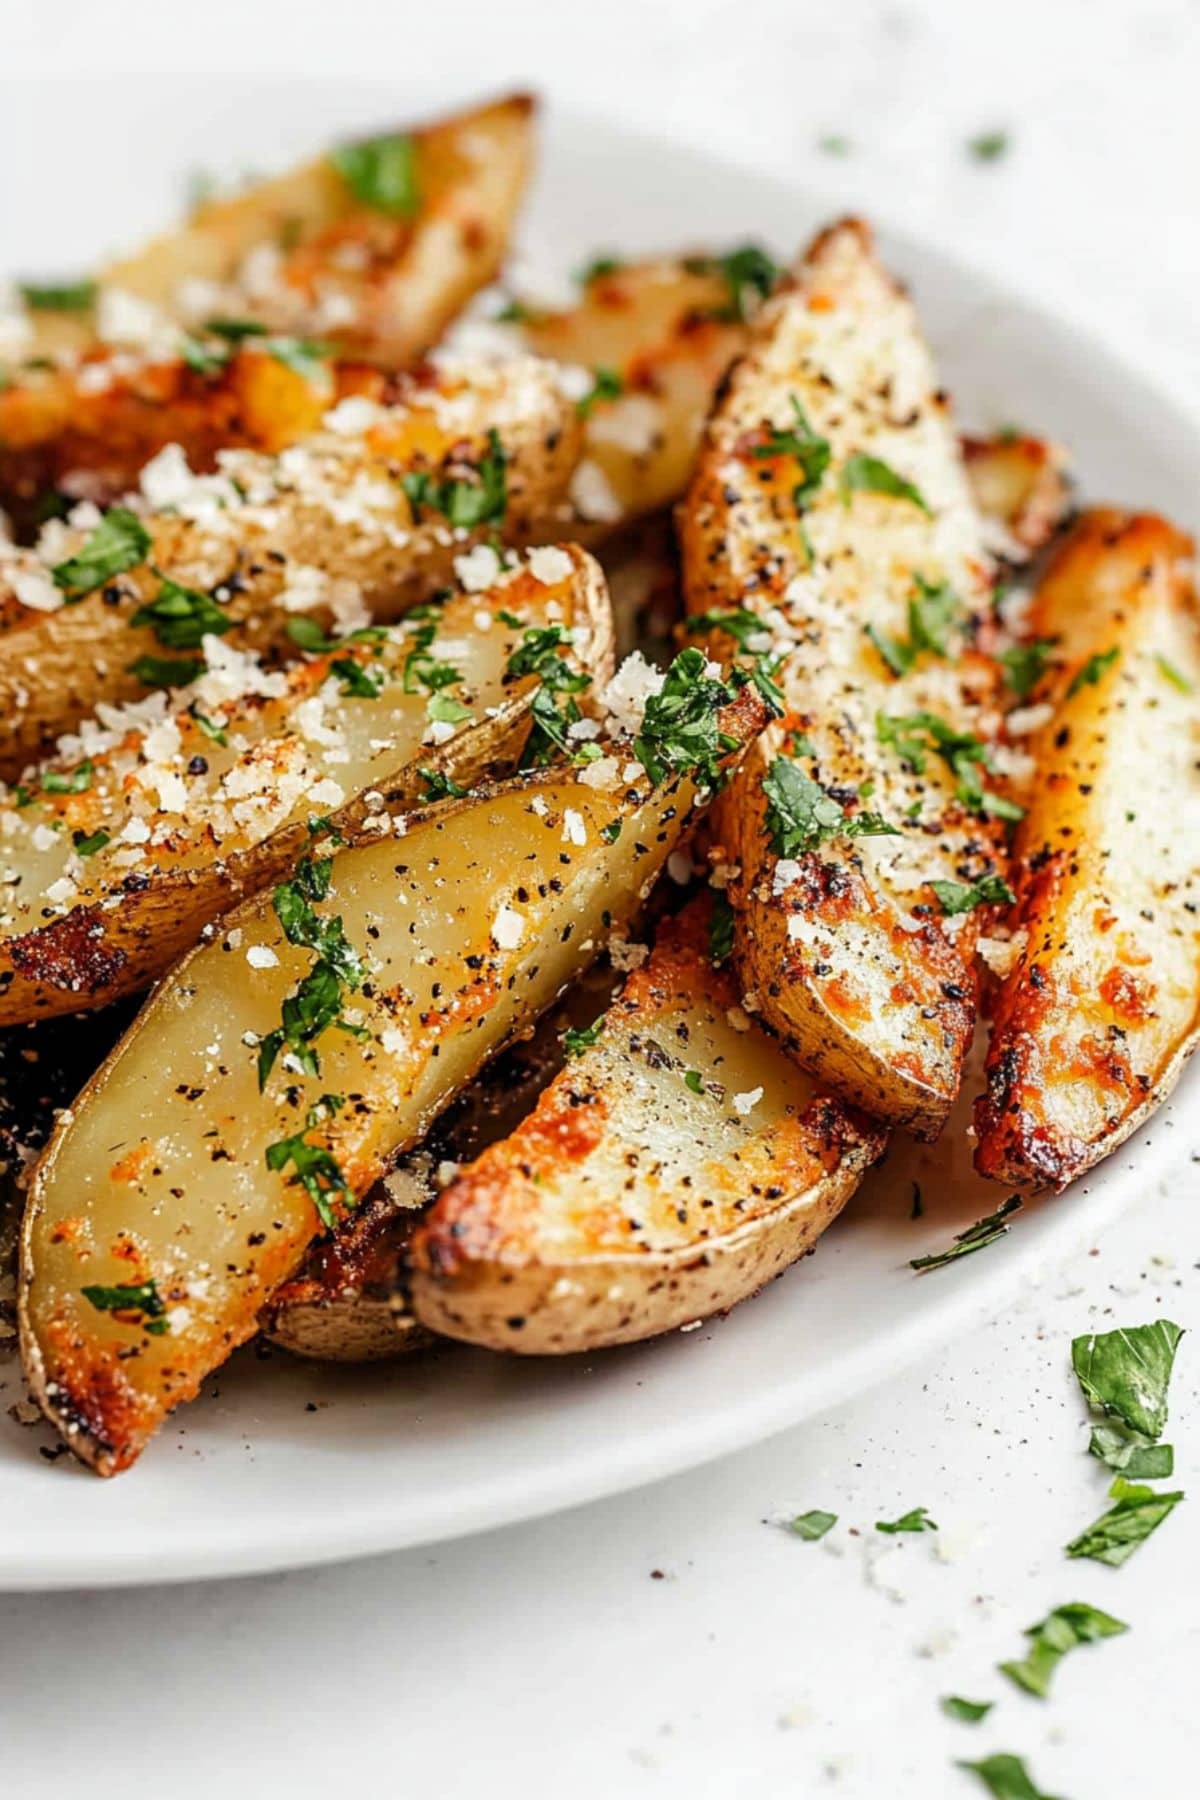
(281, 1464)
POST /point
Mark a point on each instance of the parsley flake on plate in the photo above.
(915, 1520)
(1116, 1534)
(1005, 1777)
(576, 1040)
(977, 1237)
(969, 1712)
(1060, 1631)
(1126, 1373)
(812, 1525)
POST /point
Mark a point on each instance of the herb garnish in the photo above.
(359, 681)
(1130, 1454)
(421, 668)
(67, 296)
(810, 450)
(119, 542)
(1095, 666)
(863, 474)
(1005, 1777)
(604, 264)
(216, 733)
(1174, 675)
(554, 709)
(1116, 1534)
(439, 786)
(306, 357)
(576, 1041)
(933, 611)
(1062, 1630)
(679, 726)
(693, 1079)
(77, 781)
(606, 385)
(989, 146)
(801, 815)
(87, 843)
(812, 1525)
(141, 1298)
(1126, 1373)
(382, 173)
(317, 1001)
(968, 1711)
(167, 671)
(465, 503)
(913, 735)
(235, 330)
(182, 617)
(985, 1231)
(916, 1520)
(720, 930)
(958, 897)
(317, 1170)
(748, 272)
(1025, 664)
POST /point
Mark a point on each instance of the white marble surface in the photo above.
(549, 1658)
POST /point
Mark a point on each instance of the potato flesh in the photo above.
(876, 998)
(132, 1187)
(1093, 1022)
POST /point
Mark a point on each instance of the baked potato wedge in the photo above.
(116, 860)
(277, 1068)
(1021, 486)
(1095, 1020)
(374, 246)
(673, 1167)
(363, 519)
(830, 504)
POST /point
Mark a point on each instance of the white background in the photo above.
(549, 1658)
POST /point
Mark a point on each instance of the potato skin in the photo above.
(851, 962)
(627, 1204)
(1098, 1015)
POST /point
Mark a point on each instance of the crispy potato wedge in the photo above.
(367, 516)
(187, 1182)
(1098, 1015)
(669, 1171)
(374, 247)
(116, 861)
(1020, 484)
(830, 500)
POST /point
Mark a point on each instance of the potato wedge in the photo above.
(233, 1121)
(375, 246)
(830, 501)
(669, 1171)
(1020, 485)
(1098, 1015)
(115, 861)
(366, 518)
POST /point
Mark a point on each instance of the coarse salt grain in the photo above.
(508, 927)
(261, 956)
(744, 1104)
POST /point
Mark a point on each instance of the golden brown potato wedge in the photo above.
(1102, 1007)
(374, 246)
(365, 517)
(1020, 484)
(278, 1067)
(673, 1167)
(115, 861)
(830, 502)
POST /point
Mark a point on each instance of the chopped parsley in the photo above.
(75, 781)
(87, 843)
(182, 617)
(1060, 1631)
(1025, 664)
(382, 173)
(916, 1520)
(604, 264)
(693, 1079)
(1130, 1454)
(744, 627)
(317, 1170)
(969, 1712)
(214, 732)
(318, 999)
(119, 542)
(235, 330)
(358, 681)
(989, 146)
(1174, 675)
(1095, 666)
(834, 143)
(167, 671)
(720, 931)
(863, 474)
(801, 815)
(310, 635)
(1116, 1534)
(576, 1041)
(444, 709)
(1126, 1373)
(959, 897)
(812, 1525)
(914, 735)
(977, 1237)
(465, 503)
(66, 296)
(810, 450)
(606, 385)
(554, 708)
(1005, 1777)
(933, 611)
(439, 786)
(201, 358)
(141, 1299)
(305, 357)
(748, 272)
(421, 668)
(680, 730)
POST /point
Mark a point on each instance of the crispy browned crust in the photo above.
(599, 1221)
(1102, 1007)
